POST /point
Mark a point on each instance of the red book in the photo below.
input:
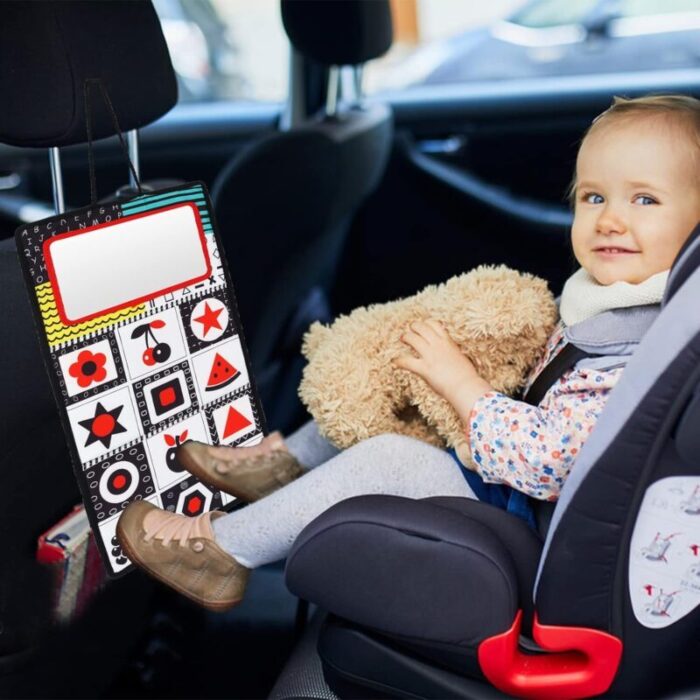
(69, 549)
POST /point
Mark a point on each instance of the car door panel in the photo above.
(480, 176)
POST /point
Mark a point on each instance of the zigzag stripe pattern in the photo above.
(58, 334)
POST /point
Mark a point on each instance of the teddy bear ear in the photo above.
(313, 338)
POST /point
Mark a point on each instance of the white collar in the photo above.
(584, 297)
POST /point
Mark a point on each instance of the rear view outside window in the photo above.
(226, 49)
(440, 42)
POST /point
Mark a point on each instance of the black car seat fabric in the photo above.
(48, 48)
(621, 560)
(365, 29)
(438, 574)
(284, 204)
(47, 51)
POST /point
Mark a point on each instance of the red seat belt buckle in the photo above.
(583, 662)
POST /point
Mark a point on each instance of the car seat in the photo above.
(284, 204)
(448, 597)
(47, 50)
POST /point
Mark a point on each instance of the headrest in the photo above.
(49, 47)
(686, 262)
(338, 32)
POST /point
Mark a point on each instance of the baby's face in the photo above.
(637, 199)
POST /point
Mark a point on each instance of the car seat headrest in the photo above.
(686, 262)
(338, 33)
(48, 48)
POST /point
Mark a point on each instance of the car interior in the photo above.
(329, 201)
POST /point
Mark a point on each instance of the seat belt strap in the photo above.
(563, 361)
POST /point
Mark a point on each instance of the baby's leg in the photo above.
(387, 464)
(309, 447)
(250, 473)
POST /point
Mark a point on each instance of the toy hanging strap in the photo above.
(87, 85)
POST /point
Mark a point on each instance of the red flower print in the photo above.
(89, 368)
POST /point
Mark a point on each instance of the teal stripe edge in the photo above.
(153, 197)
(159, 205)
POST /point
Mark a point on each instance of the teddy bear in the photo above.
(499, 317)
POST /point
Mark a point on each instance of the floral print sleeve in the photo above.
(532, 448)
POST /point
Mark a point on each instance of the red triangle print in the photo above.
(235, 421)
(222, 373)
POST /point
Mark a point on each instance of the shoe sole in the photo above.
(214, 606)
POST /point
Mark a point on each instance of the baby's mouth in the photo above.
(613, 252)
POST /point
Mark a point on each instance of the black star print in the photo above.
(103, 425)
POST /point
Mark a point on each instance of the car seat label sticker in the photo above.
(664, 565)
(136, 313)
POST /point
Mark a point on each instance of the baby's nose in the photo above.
(611, 221)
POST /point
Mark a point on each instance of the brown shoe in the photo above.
(182, 553)
(248, 473)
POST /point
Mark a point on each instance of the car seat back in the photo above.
(622, 553)
(284, 204)
(47, 50)
(50, 47)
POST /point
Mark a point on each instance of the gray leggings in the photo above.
(264, 531)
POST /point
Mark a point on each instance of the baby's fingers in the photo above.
(423, 329)
(407, 362)
(437, 327)
(414, 340)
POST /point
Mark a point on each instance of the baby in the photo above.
(636, 197)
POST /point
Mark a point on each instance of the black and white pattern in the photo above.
(165, 397)
(206, 318)
(133, 386)
(88, 367)
(191, 497)
(115, 482)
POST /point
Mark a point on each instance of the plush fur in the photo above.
(500, 318)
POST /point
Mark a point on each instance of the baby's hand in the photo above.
(442, 365)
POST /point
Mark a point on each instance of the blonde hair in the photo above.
(682, 109)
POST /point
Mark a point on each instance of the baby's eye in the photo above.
(645, 199)
(593, 198)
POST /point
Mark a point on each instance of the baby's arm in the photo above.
(532, 448)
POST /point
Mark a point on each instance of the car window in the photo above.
(441, 42)
(550, 13)
(637, 8)
(226, 49)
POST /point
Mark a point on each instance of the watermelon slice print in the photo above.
(222, 373)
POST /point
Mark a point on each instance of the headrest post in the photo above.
(294, 112)
(132, 138)
(358, 72)
(332, 94)
(56, 180)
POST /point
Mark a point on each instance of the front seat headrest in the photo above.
(338, 32)
(48, 48)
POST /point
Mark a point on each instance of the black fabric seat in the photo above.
(616, 602)
(47, 51)
(285, 203)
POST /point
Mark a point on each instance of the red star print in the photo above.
(209, 319)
